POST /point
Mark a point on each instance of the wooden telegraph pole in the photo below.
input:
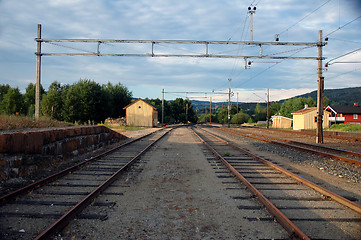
(38, 72)
(210, 110)
(267, 107)
(229, 103)
(319, 137)
(162, 107)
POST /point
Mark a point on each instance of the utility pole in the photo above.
(38, 75)
(251, 12)
(237, 109)
(205, 114)
(210, 110)
(163, 107)
(319, 137)
(267, 107)
(229, 102)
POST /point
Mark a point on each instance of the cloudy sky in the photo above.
(217, 20)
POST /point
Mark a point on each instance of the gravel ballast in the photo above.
(177, 195)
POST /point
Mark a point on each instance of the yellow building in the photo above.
(281, 122)
(141, 114)
(307, 119)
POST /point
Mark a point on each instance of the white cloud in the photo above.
(196, 20)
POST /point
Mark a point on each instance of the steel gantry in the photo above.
(153, 53)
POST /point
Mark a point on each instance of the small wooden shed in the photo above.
(141, 114)
(281, 122)
(307, 119)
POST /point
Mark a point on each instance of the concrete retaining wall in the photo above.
(25, 153)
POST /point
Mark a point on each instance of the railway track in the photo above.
(305, 210)
(334, 153)
(42, 209)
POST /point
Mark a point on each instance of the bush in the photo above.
(345, 127)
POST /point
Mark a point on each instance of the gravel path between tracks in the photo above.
(177, 195)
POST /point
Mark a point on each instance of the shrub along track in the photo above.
(43, 208)
(303, 208)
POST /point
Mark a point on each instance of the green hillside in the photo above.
(343, 96)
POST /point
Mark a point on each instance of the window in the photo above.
(355, 116)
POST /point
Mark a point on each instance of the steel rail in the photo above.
(325, 193)
(76, 210)
(357, 154)
(286, 223)
(337, 157)
(6, 198)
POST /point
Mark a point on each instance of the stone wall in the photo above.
(25, 153)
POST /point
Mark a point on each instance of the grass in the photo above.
(9, 122)
(345, 128)
(122, 128)
(227, 154)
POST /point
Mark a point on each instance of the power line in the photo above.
(355, 70)
(304, 17)
(251, 78)
(343, 55)
(342, 26)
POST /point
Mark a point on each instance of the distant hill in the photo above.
(343, 96)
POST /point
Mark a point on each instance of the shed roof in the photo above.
(139, 99)
(305, 110)
(282, 117)
(344, 109)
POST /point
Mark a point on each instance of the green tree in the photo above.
(29, 99)
(116, 98)
(274, 108)
(222, 113)
(12, 102)
(260, 114)
(83, 102)
(295, 104)
(242, 117)
(3, 90)
(52, 102)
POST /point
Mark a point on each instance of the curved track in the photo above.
(42, 209)
(304, 209)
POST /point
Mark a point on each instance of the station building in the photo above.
(141, 114)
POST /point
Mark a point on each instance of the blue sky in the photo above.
(294, 20)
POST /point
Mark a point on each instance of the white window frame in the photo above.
(355, 116)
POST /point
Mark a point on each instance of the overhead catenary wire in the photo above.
(304, 17)
(355, 70)
(343, 55)
(342, 26)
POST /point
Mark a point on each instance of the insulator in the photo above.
(277, 39)
(254, 8)
(326, 39)
(249, 63)
(249, 8)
